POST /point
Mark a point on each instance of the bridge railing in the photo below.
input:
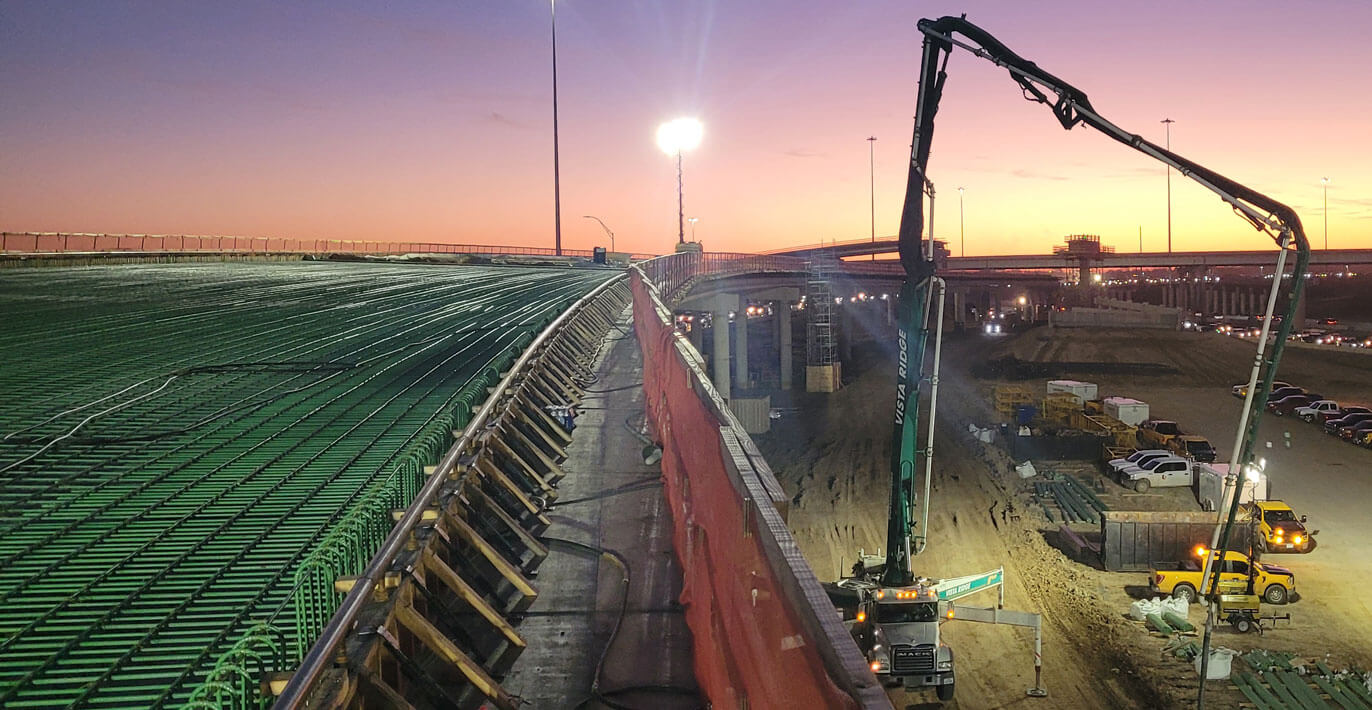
(69, 242)
(765, 633)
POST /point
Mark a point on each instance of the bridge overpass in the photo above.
(1070, 260)
(358, 488)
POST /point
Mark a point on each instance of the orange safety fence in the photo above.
(765, 634)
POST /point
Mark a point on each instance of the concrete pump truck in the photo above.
(898, 613)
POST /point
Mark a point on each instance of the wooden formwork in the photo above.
(453, 594)
(1007, 398)
(1060, 408)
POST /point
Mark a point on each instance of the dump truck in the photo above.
(1182, 579)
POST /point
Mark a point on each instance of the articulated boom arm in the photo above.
(1071, 107)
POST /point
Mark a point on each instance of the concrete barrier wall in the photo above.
(765, 634)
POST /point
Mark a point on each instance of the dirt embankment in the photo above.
(833, 458)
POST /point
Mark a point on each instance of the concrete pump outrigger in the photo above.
(911, 650)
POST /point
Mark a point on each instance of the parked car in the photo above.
(1278, 393)
(1289, 405)
(1355, 432)
(1196, 447)
(1155, 433)
(1343, 412)
(1138, 457)
(1158, 473)
(1241, 390)
(1333, 426)
(1314, 409)
(1147, 465)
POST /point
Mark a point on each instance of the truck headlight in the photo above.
(1297, 539)
(945, 665)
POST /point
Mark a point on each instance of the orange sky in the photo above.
(432, 121)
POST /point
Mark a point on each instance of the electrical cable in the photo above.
(596, 693)
(630, 487)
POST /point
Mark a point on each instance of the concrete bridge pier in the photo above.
(724, 304)
(741, 379)
(782, 312)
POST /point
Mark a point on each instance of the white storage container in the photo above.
(1129, 411)
(1209, 484)
(1082, 391)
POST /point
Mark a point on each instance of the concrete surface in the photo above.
(609, 501)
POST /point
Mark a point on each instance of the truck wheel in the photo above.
(1262, 545)
(945, 692)
(1274, 594)
(1185, 591)
(1141, 485)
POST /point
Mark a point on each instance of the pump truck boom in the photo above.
(888, 588)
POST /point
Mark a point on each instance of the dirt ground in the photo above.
(833, 458)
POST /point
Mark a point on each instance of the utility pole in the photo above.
(872, 168)
(1326, 212)
(1168, 122)
(557, 182)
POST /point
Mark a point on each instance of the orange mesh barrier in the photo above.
(752, 646)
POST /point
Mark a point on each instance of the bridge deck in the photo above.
(610, 500)
(178, 437)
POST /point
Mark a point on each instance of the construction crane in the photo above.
(894, 576)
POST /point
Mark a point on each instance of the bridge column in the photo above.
(723, 304)
(782, 309)
(741, 347)
(697, 333)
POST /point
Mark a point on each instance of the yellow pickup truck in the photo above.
(1278, 527)
(1157, 433)
(1277, 585)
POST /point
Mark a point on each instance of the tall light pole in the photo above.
(557, 182)
(602, 226)
(1326, 212)
(1168, 122)
(693, 221)
(872, 169)
(962, 224)
(675, 137)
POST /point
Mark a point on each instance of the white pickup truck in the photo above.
(1160, 472)
(1314, 409)
(1138, 458)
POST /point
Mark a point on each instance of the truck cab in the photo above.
(1277, 526)
(1165, 472)
(897, 628)
(1156, 433)
(1193, 446)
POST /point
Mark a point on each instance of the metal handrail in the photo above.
(89, 242)
(321, 655)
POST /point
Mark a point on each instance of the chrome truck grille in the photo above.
(912, 659)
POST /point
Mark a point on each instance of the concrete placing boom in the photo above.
(895, 577)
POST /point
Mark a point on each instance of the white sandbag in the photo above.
(1139, 610)
(985, 435)
(1221, 661)
(1177, 606)
(1026, 470)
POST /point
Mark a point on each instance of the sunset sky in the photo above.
(432, 121)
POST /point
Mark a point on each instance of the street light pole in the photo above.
(962, 224)
(674, 137)
(1326, 212)
(557, 182)
(872, 168)
(602, 226)
(1168, 122)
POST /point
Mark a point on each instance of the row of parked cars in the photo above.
(1349, 422)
